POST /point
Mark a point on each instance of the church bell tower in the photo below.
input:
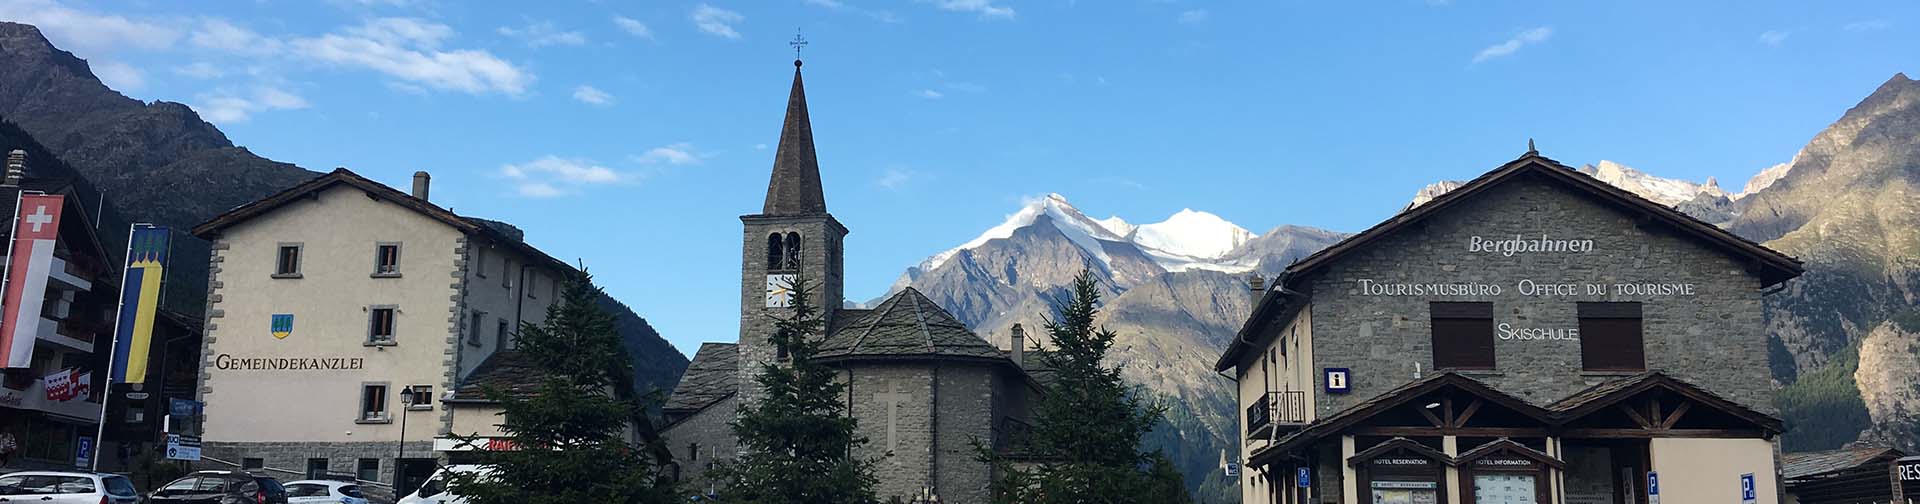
(792, 239)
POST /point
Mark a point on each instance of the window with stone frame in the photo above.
(422, 398)
(286, 262)
(1462, 335)
(367, 469)
(373, 403)
(475, 327)
(776, 252)
(502, 336)
(381, 322)
(386, 259)
(793, 251)
(1611, 337)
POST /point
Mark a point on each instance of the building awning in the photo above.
(1644, 405)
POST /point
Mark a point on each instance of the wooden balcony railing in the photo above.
(1282, 410)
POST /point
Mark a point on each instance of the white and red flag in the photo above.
(29, 261)
(68, 384)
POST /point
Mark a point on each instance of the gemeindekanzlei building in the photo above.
(1534, 336)
(922, 386)
(334, 301)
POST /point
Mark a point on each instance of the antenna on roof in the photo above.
(1530, 149)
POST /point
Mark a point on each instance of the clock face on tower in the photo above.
(780, 290)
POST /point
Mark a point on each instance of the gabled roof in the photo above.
(1805, 464)
(712, 376)
(795, 186)
(1398, 443)
(508, 371)
(1504, 445)
(381, 192)
(907, 325)
(1614, 391)
(1772, 267)
(1401, 395)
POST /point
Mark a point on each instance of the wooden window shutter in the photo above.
(1462, 335)
(1611, 337)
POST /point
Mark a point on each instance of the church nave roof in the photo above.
(905, 325)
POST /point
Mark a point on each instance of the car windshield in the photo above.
(352, 491)
(271, 485)
(120, 486)
(434, 486)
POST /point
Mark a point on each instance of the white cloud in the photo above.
(633, 27)
(759, 146)
(1195, 16)
(716, 21)
(676, 154)
(985, 8)
(119, 76)
(544, 33)
(894, 179)
(931, 94)
(200, 70)
(408, 50)
(1868, 25)
(222, 35)
(88, 32)
(1525, 38)
(837, 5)
(552, 176)
(1773, 38)
(235, 107)
(592, 95)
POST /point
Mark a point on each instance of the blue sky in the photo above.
(631, 135)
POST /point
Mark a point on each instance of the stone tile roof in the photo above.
(711, 376)
(906, 325)
(795, 187)
(509, 371)
(1801, 465)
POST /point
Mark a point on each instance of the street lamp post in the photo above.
(406, 403)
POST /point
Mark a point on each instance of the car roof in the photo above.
(57, 473)
(330, 483)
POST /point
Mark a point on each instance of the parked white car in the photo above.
(435, 490)
(48, 487)
(324, 492)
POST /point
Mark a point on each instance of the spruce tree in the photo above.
(571, 430)
(1085, 442)
(797, 440)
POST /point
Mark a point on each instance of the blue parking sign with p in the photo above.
(1746, 488)
(1305, 478)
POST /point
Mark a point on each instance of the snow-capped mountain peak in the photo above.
(1082, 230)
(1117, 225)
(1193, 234)
(1662, 190)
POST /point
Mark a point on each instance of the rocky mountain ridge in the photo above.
(160, 162)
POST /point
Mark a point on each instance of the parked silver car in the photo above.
(50, 487)
(324, 492)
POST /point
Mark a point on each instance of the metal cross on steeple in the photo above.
(799, 42)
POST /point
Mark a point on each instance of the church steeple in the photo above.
(795, 187)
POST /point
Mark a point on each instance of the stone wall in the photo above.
(903, 465)
(820, 260)
(708, 434)
(965, 400)
(1713, 338)
(287, 461)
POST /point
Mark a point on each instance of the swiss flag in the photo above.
(36, 224)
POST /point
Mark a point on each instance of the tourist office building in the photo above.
(1533, 336)
(352, 326)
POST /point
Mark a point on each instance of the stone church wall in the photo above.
(967, 414)
(1708, 333)
(904, 459)
(707, 434)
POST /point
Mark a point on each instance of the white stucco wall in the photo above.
(500, 301)
(338, 232)
(1292, 372)
(1708, 470)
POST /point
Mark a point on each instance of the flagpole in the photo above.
(113, 349)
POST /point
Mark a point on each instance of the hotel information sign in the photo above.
(1906, 479)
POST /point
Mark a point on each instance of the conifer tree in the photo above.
(571, 431)
(1085, 441)
(797, 439)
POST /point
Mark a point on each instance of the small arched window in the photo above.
(776, 253)
(793, 251)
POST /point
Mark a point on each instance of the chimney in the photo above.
(1258, 286)
(420, 181)
(16, 168)
(1019, 346)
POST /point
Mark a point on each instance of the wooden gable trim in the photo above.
(1653, 419)
(1505, 445)
(1398, 443)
